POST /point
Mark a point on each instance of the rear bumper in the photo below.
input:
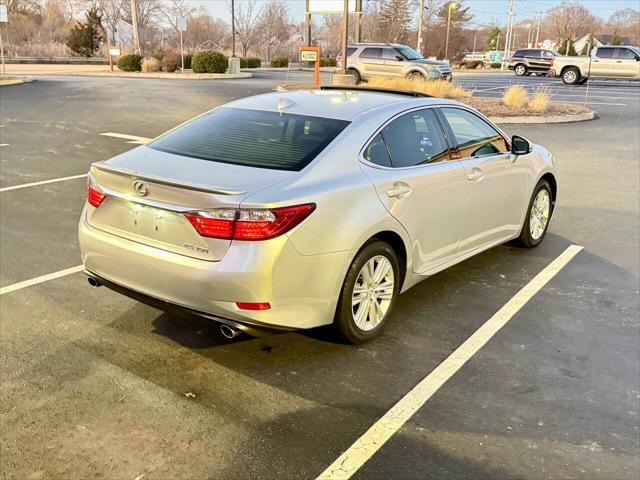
(301, 289)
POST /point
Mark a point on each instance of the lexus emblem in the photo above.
(141, 188)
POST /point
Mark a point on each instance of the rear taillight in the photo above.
(248, 224)
(94, 195)
(253, 306)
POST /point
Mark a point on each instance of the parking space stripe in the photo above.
(43, 182)
(381, 431)
(134, 138)
(40, 279)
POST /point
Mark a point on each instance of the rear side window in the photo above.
(604, 52)
(371, 53)
(475, 137)
(520, 53)
(415, 138)
(273, 140)
(350, 51)
(377, 152)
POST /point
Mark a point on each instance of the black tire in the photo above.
(571, 76)
(344, 320)
(520, 69)
(583, 80)
(355, 74)
(415, 76)
(526, 239)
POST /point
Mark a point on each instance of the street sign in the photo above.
(308, 56)
(181, 24)
(3, 14)
(114, 51)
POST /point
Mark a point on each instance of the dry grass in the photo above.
(435, 88)
(515, 96)
(150, 65)
(540, 99)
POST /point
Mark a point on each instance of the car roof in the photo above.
(340, 104)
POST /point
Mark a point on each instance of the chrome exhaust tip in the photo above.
(228, 331)
(94, 282)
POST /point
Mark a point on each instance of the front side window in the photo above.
(409, 53)
(252, 138)
(604, 52)
(415, 138)
(474, 136)
(371, 53)
(626, 53)
(390, 54)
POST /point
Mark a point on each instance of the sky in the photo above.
(484, 11)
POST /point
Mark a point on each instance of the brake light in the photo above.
(94, 195)
(249, 224)
(253, 306)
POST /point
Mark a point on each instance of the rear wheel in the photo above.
(538, 216)
(369, 292)
(520, 70)
(571, 76)
(356, 75)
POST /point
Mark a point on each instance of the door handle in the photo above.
(618, 61)
(399, 190)
(475, 176)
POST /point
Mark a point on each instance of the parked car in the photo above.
(532, 60)
(608, 62)
(365, 60)
(306, 208)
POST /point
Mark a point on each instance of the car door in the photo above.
(496, 180)
(409, 164)
(603, 64)
(627, 63)
(370, 61)
(392, 62)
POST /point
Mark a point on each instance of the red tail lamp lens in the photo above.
(253, 306)
(215, 223)
(94, 196)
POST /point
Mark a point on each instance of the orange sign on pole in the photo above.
(312, 54)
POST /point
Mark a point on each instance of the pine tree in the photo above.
(492, 39)
(85, 37)
(395, 19)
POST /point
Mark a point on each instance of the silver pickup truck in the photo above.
(608, 62)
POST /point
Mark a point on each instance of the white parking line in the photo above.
(135, 139)
(381, 431)
(40, 279)
(43, 182)
(4, 144)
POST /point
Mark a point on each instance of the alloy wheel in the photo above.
(520, 70)
(570, 76)
(372, 293)
(539, 216)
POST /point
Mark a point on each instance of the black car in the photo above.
(532, 60)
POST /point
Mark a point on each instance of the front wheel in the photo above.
(369, 292)
(538, 216)
(571, 76)
(415, 76)
(356, 75)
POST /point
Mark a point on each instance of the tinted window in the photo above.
(259, 139)
(604, 52)
(547, 54)
(409, 53)
(377, 152)
(350, 51)
(390, 53)
(474, 136)
(371, 53)
(520, 53)
(626, 53)
(415, 138)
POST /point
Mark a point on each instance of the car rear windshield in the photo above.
(253, 138)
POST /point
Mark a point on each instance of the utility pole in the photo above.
(538, 29)
(452, 5)
(345, 36)
(134, 25)
(508, 39)
(233, 28)
(420, 22)
(358, 13)
(475, 35)
(307, 24)
(498, 42)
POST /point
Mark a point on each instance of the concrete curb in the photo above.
(578, 117)
(162, 76)
(16, 81)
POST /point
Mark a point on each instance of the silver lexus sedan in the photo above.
(306, 208)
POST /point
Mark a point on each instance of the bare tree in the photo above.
(172, 9)
(247, 15)
(626, 22)
(148, 11)
(203, 28)
(570, 20)
(274, 27)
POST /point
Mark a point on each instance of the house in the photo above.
(598, 40)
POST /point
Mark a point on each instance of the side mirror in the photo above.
(520, 145)
(399, 58)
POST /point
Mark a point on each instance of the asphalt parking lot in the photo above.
(96, 385)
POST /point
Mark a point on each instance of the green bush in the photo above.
(278, 61)
(328, 62)
(187, 60)
(250, 62)
(130, 63)
(157, 54)
(172, 62)
(496, 65)
(209, 61)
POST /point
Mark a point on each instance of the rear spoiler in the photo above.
(165, 181)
